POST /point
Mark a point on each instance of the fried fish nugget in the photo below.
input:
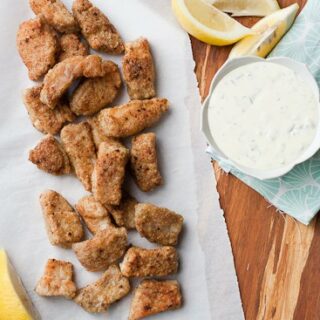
(38, 46)
(62, 222)
(152, 297)
(78, 143)
(54, 13)
(111, 287)
(138, 70)
(72, 46)
(96, 28)
(104, 249)
(43, 118)
(144, 163)
(50, 156)
(57, 280)
(124, 213)
(109, 173)
(139, 262)
(98, 135)
(96, 93)
(131, 118)
(159, 225)
(62, 75)
(94, 214)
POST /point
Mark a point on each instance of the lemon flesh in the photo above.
(259, 8)
(207, 23)
(14, 301)
(268, 32)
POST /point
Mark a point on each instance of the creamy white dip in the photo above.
(263, 116)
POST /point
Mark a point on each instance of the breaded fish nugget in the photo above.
(57, 280)
(96, 93)
(139, 262)
(94, 214)
(38, 46)
(111, 287)
(43, 118)
(109, 173)
(96, 28)
(159, 225)
(144, 162)
(62, 75)
(62, 222)
(124, 213)
(131, 118)
(55, 13)
(50, 156)
(98, 135)
(78, 143)
(101, 251)
(72, 46)
(138, 70)
(152, 297)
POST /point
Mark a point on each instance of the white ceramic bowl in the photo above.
(300, 69)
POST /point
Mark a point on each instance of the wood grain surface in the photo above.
(277, 259)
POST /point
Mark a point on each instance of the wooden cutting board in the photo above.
(277, 259)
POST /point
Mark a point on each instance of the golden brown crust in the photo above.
(43, 118)
(152, 297)
(124, 213)
(57, 280)
(101, 251)
(62, 75)
(96, 93)
(111, 287)
(72, 46)
(62, 223)
(50, 156)
(131, 118)
(98, 135)
(78, 143)
(139, 262)
(94, 214)
(159, 225)
(96, 28)
(144, 162)
(109, 173)
(138, 70)
(54, 13)
(38, 46)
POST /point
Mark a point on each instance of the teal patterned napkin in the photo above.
(298, 192)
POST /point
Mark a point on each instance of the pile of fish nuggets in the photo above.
(72, 82)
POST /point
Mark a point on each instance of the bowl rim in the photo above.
(231, 64)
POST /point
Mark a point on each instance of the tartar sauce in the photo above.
(263, 116)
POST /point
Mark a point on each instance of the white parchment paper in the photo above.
(207, 274)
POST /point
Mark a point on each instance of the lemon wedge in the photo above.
(259, 8)
(207, 23)
(268, 32)
(14, 301)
